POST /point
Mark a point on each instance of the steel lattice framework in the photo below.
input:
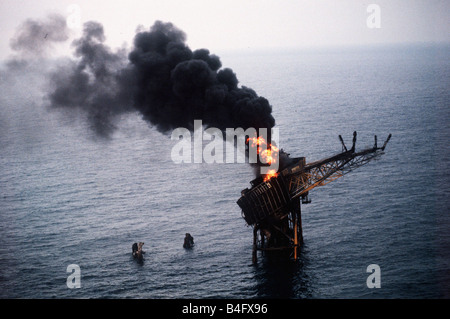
(324, 172)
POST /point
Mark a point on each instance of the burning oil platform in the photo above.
(272, 206)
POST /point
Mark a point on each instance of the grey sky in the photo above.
(244, 24)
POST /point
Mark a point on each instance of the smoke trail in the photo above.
(97, 84)
(168, 83)
(36, 38)
(31, 43)
(22, 74)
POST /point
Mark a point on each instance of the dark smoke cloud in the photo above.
(98, 83)
(36, 38)
(163, 79)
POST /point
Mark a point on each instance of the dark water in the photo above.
(68, 198)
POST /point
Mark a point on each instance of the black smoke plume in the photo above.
(98, 83)
(162, 78)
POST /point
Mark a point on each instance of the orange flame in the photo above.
(271, 173)
(269, 154)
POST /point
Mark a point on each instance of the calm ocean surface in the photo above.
(69, 198)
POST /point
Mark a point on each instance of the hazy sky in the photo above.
(247, 24)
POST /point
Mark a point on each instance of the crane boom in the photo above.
(327, 170)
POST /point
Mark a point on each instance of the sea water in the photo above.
(68, 197)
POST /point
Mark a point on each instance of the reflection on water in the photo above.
(277, 277)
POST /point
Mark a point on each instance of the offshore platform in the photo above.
(272, 206)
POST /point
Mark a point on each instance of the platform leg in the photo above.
(297, 225)
(295, 235)
(255, 235)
